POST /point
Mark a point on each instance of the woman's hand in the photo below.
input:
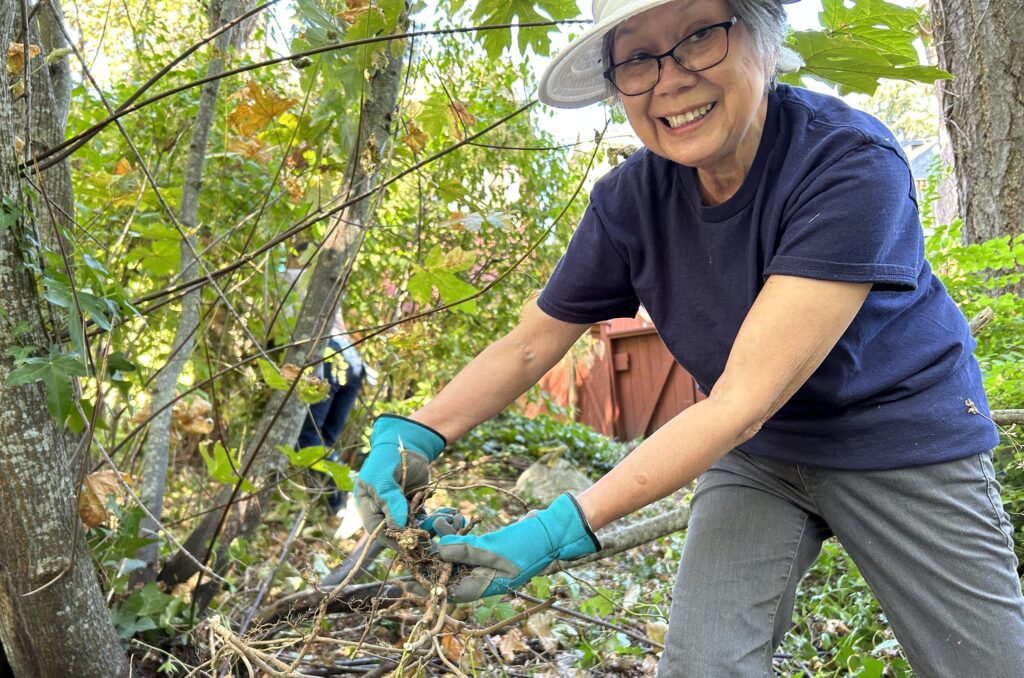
(397, 467)
(505, 560)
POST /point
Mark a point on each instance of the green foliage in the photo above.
(147, 610)
(862, 42)
(840, 629)
(55, 371)
(438, 271)
(10, 213)
(315, 458)
(222, 465)
(978, 276)
(511, 433)
(496, 12)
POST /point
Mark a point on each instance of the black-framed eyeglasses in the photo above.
(703, 49)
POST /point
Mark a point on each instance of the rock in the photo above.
(545, 480)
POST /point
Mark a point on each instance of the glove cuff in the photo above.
(410, 434)
(584, 522)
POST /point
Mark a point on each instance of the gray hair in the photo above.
(766, 22)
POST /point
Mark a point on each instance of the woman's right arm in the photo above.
(500, 373)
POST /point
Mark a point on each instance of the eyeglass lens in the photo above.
(697, 52)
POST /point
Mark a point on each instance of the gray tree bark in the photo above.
(53, 618)
(283, 414)
(981, 44)
(157, 447)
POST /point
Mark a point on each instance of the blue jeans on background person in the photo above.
(326, 419)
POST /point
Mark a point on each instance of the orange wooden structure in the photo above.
(627, 385)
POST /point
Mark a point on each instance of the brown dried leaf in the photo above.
(296, 158)
(256, 109)
(16, 57)
(415, 138)
(511, 643)
(354, 9)
(293, 187)
(461, 118)
(96, 487)
(249, 148)
(539, 627)
(199, 407)
(290, 372)
(454, 646)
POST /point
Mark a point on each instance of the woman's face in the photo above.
(725, 139)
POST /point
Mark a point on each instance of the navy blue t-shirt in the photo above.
(829, 196)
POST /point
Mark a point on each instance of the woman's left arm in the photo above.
(792, 326)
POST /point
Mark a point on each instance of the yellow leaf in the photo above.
(16, 57)
(92, 503)
(415, 138)
(256, 109)
(656, 631)
(122, 167)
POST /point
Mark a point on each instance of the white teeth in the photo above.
(677, 120)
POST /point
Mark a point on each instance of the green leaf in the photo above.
(55, 371)
(221, 465)
(854, 66)
(271, 375)
(521, 11)
(10, 213)
(598, 605)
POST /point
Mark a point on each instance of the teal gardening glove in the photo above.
(507, 559)
(381, 494)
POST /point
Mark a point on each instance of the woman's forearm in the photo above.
(673, 456)
(499, 374)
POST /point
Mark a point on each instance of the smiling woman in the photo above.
(772, 234)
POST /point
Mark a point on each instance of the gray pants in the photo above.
(933, 542)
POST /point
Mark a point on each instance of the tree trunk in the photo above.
(282, 416)
(53, 618)
(981, 43)
(154, 464)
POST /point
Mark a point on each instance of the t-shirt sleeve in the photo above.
(856, 221)
(591, 282)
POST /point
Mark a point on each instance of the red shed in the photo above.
(626, 386)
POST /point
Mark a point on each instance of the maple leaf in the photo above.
(16, 57)
(256, 109)
(415, 138)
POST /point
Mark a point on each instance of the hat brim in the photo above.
(575, 77)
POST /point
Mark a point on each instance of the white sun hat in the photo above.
(575, 77)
